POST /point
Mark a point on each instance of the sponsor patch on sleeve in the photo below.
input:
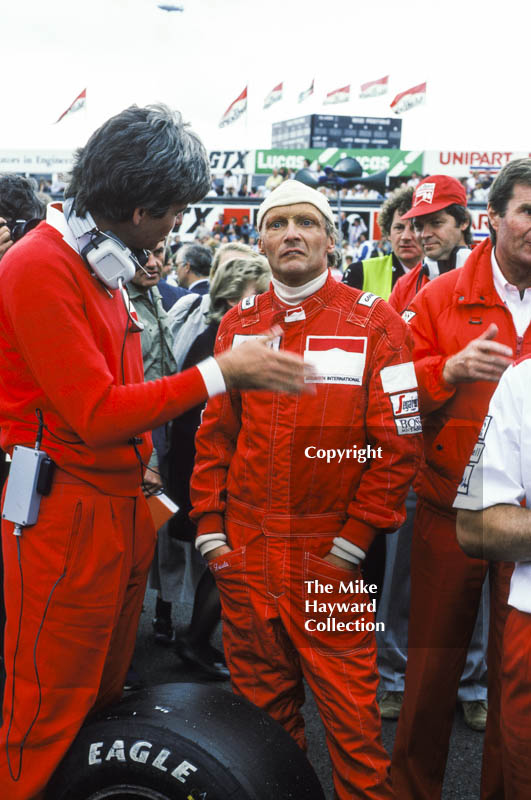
(484, 428)
(407, 315)
(408, 425)
(248, 302)
(476, 453)
(240, 338)
(398, 378)
(336, 359)
(465, 480)
(368, 299)
(405, 403)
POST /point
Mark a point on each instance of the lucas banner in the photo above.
(396, 162)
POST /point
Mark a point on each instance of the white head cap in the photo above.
(291, 192)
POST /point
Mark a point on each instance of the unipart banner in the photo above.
(396, 162)
(460, 163)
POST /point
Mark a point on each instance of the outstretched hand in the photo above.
(482, 359)
(255, 365)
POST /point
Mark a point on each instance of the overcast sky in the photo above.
(474, 56)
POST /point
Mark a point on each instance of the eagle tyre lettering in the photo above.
(184, 742)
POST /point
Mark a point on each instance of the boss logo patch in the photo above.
(408, 425)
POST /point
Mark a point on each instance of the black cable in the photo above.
(42, 425)
(34, 720)
(14, 665)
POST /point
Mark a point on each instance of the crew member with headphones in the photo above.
(72, 388)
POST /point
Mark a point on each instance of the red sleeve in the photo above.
(215, 445)
(429, 358)
(50, 328)
(379, 500)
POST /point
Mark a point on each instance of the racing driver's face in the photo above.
(295, 242)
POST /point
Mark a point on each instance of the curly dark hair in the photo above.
(18, 199)
(141, 158)
(402, 200)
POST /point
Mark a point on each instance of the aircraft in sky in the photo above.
(167, 7)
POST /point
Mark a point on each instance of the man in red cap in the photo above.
(437, 211)
(468, 326)
(442, 225)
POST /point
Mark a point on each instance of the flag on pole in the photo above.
(374, 88)
(409, 99)
(338, 95)
(75, 105)
(306, 93)
(274, 96)
(235, 110)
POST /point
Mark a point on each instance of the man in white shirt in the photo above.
(493, 524)
(468, 326)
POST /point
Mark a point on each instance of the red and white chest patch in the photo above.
(336, 359)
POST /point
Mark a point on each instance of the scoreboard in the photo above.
(329, 130)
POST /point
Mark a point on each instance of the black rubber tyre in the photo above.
(185, 741)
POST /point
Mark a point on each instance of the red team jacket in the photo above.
(444, 317)
(61, 339)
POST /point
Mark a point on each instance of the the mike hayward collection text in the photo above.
(333, 609)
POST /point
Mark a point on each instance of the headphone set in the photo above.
(106, 255)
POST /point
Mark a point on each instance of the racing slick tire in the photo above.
(184, 741)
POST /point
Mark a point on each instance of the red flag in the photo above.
(338, 95)
(75, 105)
(235, 110)
(410, 98)
(374, 88)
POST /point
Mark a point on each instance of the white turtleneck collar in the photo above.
(294, 295)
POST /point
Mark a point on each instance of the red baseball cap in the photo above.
(435, 193)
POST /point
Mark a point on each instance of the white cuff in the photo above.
(209, 541)
(212, 376)
(342, 548)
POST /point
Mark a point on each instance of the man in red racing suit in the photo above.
(288, 502)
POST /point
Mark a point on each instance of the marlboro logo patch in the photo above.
(336, 359)
(424, 194)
